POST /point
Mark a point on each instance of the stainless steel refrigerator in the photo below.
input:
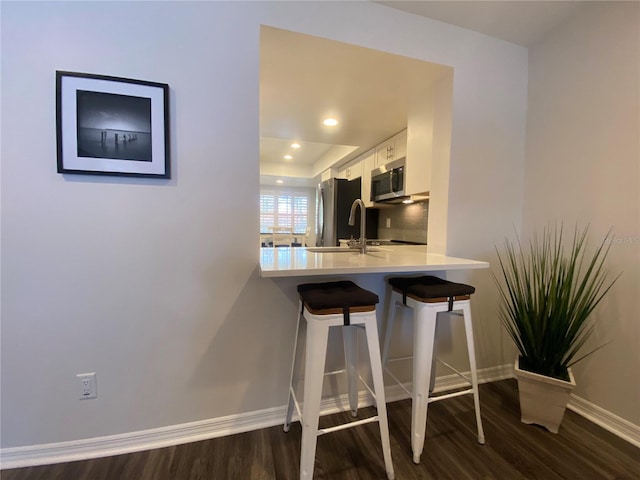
(335, 197)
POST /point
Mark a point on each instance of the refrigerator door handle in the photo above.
(320, 217)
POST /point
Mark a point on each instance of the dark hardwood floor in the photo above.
(581, 450)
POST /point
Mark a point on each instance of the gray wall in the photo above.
(154, 284)
(583, 166)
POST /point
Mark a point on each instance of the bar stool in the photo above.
(427, 296)
(336, 304)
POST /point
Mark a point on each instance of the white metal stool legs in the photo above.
(378, 387)
(424, 334)
(350, 340)
(425, 319)
(394, 304)
(468, 328)
(291, 401)
(315, 355)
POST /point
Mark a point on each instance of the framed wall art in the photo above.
(112, 126)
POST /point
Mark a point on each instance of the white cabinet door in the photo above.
(383, 154)
(392, 149)
(419, 153)
(354, 170)
(342, 173)
(400, 145)
(351, 170)
(368, 164)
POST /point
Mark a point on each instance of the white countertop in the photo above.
(299, 261)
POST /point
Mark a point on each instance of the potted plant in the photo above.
(548, 291)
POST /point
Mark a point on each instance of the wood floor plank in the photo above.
(286, 450)
(512, 451)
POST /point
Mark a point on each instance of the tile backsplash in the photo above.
(406, 222)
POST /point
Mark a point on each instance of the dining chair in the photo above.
(282, 236)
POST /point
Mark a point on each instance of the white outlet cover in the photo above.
(88, 387)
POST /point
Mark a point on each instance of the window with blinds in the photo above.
(284, 208)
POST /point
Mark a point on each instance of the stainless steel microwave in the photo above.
(387, 182)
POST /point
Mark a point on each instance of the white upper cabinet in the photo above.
(429, 136)
(417, 172)
(368, 161)
(351, 170)
(399, 146)
(390, 150)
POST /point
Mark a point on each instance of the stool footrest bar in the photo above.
(399, 359)
(344, 426)
(295, 402)
(370, 390)
(460, 374)
(335, 372)
(449, 395)
(397, 381)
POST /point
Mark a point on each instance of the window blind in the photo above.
(284, 208)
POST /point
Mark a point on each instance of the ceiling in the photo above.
(518, 21)
(304, 79)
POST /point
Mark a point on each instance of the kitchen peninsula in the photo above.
(301, 261)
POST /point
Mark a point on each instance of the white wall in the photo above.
(153, 284)
(583, 165)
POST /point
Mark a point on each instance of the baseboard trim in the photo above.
(607, 420)
(59, 452)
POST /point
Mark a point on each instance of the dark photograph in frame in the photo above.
(112, 126)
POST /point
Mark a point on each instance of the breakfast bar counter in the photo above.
(308, 261)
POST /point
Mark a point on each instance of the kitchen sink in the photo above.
(339, 250)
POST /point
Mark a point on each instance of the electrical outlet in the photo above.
(88, 385)
(388, 223)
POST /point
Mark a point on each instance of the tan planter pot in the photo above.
(543, 400)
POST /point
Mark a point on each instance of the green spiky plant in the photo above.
(548, 292)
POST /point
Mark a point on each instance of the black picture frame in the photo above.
(112, 126)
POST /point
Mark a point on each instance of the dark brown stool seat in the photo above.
(430, 289)
(336, 297)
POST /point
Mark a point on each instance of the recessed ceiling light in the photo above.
(279, 181)
(295, 145)
(288, 157)
(330, 122)
(407, 201)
